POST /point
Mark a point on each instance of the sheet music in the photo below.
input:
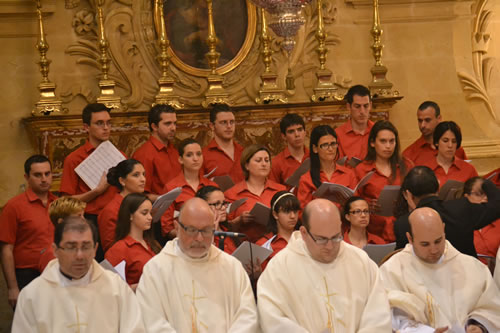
(387, 200)
(294, 179)
(235, 205)
(120, 269)
(163, 202)
(339, 193)
(377, 252)
(242, 253)
(261, 213)
(104, 157)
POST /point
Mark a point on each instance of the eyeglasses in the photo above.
(327, 145)
(478, 194)
(219, 204)
(193, 232)
(324, 241)
(101, 123)
(357, 212)
(86, 249)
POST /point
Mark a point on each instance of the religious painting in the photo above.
(187, 26)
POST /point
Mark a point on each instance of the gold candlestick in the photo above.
(379, 85)
(166, 93)
(269, 91)
(216, 94)
(107, 86)
(48, 102)
(324, 89)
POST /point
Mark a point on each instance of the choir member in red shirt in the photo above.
(222, 152)
(293, 131)
(423, 149)
(384, 159)
(191, 180)
(324, 155)
(158, 155)
(285, 208)
(128, 176)
(216, 200)
(447, 138)
(356, 217)
(134, 239)
(486, 239)
(256, 165)
(353, 135)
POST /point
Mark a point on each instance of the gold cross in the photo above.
(194, 311)
(78, 324)
(330, 309)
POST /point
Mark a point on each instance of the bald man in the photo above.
(319, 283)
(434, 288)
(191, 286)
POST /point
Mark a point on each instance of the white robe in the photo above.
(497, 269)
(180, 294)
(299, 294)
(447, 293)
(99, 302)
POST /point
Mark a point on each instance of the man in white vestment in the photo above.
(192, 286)
(74, 294)
(434, 288)
(320, 284)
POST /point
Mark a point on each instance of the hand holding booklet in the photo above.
(249, 250)
(261, 213)
(339, 193)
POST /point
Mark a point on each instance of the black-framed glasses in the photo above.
(219, 204)
(85, 249)
(358, 212)
(323, 240)
(327, 145)
(193, 232)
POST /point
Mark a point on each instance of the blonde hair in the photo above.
(64, 207)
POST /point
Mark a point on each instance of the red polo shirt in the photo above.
(419, 152)
(25, 223)
(167, 220)
(342, 175)
(496, 178)
(284, 165)
(487, 239)
(352, 144)
(214, 156)
(459, 170)
(134, 254)
(277, 244)
(370, 238)
(47, 256)
(160, 162)
(106, 220)
(254, 231)
(72, 184)
(381, 226)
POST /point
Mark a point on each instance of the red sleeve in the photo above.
(305, 190)
(275, 174)
(45, 258)
(8, 224)
(106, 221)
(461, 153)
(69, 180)
(167, 220)
(116, 254)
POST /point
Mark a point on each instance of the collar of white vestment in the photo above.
(441, 259)
(82, 282)
(176, 250)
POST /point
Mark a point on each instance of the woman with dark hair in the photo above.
(216, 200)
(447, 139)
(134, 240)
(128, 176)
(256, 165)
(356, 217)
(384, 159)
(190, 180)
(323, 147)
(285, 208)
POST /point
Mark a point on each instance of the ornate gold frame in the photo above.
(240, 56)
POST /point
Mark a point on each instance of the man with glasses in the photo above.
(319, 283)
(192, 286)
(74, 294)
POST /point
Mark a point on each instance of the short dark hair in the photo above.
(470, 183)
(248, 153)
(35, 159)
(205, 191)
(217, 108)
(358, 90)
(430, 104)
(121, 170)
(184, 143)
(93, 108)
(445, 126)
(74, 223)
(291, 119)
(154, 115)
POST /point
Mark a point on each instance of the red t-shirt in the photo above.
(419, 152)
(160, 162)
(352, 144)
(134, 254)
(277, 244)
(459, 170)
(342, 175)
(254, 230)
(496, 178)
(25, 223)
(167, 219)
(487, 239)
(370, 238)
(72, 184)
(106, 221)
(214, 156)
(284, 165)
